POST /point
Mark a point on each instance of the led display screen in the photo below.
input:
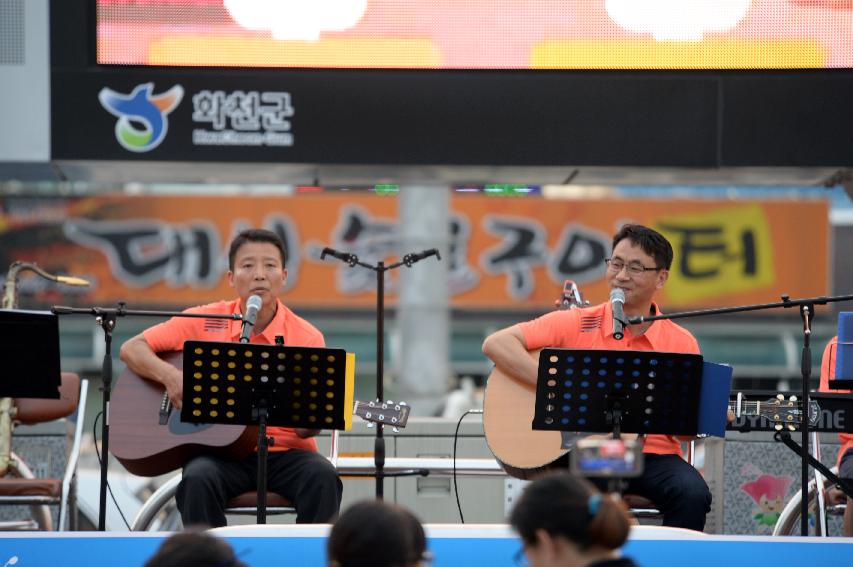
(478, 34)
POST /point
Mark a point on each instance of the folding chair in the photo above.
(22, 487)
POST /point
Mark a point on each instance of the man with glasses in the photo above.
(639, 266)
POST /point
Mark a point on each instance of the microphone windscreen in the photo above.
(617, 294)
(254, 302)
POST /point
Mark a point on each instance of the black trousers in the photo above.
(305, 478)
(676, 488)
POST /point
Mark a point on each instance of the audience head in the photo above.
(195, 549)
(376, 534)
(563, 520)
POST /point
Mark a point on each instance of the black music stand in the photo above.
(29, 349)
(259, 384)
(616, 391)
(601, 391)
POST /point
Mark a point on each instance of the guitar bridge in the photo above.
(165, 409)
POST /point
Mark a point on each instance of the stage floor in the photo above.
(453, 545)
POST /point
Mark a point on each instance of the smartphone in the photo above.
(597, 457)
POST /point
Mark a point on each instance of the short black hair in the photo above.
(376, 533)
(255, 235)
(194, 547)
(649, 240)
(568, 506)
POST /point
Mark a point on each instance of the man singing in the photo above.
(639, 266)
(256, 266)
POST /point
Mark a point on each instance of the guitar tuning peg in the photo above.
(403, 404)
(780, 397)
(390, 402)
(395, 429)
(791, 427)
(793, 398)
(778, 427)
(370, 425)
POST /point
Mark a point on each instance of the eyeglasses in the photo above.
(634, 268)
(520, 558)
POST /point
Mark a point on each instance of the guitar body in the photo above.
(147, 448)
(508, 408)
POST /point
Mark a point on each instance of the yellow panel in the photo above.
(264, 52)
(719, 252)
(650, 54)
(349, 391)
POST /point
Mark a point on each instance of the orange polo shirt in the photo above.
(592, 328)
(827, 373)
(170, 336)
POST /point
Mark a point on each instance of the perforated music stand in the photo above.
(256, 384)
(29, 349)
(601, 391)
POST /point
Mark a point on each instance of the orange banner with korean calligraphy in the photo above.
(502, 253)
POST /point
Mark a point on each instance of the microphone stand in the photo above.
(380, 268)
(807, 310)
(106, 318)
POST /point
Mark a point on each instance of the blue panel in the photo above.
(844, 351)
(699, 551)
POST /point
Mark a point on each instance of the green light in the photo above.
(506, 189)
(386, 189)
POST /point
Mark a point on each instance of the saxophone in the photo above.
(8, 411)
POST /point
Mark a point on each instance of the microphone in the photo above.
(410, 259)
(343, 256)
(253, 305)
(617, 300)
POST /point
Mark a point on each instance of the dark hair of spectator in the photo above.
(376, 534)
(255, 235)
(650, 241)
(569, 506)
(196, 549)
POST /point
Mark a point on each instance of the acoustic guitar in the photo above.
(148, 437)
(508, 408)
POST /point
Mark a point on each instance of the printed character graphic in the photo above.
(768, 492)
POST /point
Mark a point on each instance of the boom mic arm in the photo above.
(410, 259)
(350, 259)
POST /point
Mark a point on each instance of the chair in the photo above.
(39, 493)
(243, 504)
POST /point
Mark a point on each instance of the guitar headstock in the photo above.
(395, 414)
(783, 413)
(571, 297)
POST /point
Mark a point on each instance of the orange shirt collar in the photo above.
(653, 333)
(278, 322)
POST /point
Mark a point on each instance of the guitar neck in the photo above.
(747, 407)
